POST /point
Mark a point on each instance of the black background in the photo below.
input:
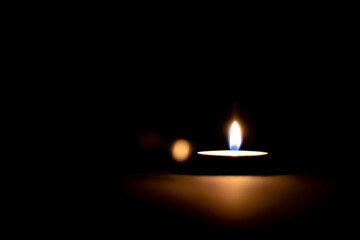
(291, 85)
(297, 108)
(296, 102)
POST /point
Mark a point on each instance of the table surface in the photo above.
(232, 201)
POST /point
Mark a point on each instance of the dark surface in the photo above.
(216, 165)
(287, 205)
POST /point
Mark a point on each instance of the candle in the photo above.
(235, 140)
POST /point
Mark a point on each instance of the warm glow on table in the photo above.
(230, 200)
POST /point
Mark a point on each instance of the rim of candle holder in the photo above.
(233, 153)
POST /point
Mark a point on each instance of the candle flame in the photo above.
(235, 138)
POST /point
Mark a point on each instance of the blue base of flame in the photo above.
(234, 148)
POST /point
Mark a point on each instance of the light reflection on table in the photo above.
(231, 200)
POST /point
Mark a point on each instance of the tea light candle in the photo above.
(235, 140)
